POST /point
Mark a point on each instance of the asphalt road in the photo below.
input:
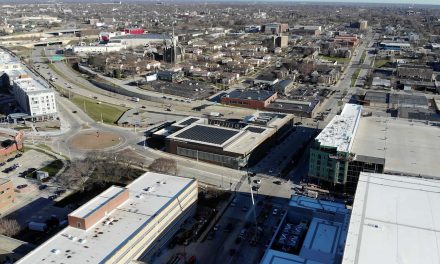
(211, 174)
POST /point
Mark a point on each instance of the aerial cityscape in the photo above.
(219, 132)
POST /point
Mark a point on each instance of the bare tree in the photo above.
(9, 227)
(164, 165)
(78, 173)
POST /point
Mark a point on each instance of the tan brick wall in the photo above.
(7, 194)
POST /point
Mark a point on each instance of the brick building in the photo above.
(7, 194)
(256, 99)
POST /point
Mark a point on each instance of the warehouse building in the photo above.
(122, 224)
(311, 231)
(35, 99)
(394, 220)
(230, 143)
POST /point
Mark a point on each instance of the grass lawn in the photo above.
(110, 113)
(380, 63)
(354, 77)
(364, 54)
(339, 60)
(53, 168)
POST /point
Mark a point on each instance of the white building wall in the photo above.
(34, 98)
(97, 49)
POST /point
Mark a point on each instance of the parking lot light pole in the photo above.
(253, 205)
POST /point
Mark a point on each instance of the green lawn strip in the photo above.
(380, 63)
(354, 77)
(364, 55)
(53, 168)
(110, 113)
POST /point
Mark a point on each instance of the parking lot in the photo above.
(193, 90)
(28, 191)
(234, 238)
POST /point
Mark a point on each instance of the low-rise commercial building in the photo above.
(7, 194)
(122, 224)
(394, 220)
(311, 231)
(390, 48)
(415, 72)
(256, 99)
(171, 76)
(12, 249)
(35, 99)
(298, 108)
(230, 143)
(305, 30)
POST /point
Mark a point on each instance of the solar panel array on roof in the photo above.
(189, 121)
(255, 129)
(213, 135)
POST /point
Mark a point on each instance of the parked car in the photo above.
(22, 186)
(42, 187)
(277, 182)
(59, 192)
(257, 181)
(10, 159)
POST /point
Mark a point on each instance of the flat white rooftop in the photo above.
(401, 44)
(278, 257)
(6, 58)
(323, 240)
(395, 219)
(73, 245)
(249, 140)
(339, 133)
(30, 85)
(409, 148)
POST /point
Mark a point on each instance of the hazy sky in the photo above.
(433, 2)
